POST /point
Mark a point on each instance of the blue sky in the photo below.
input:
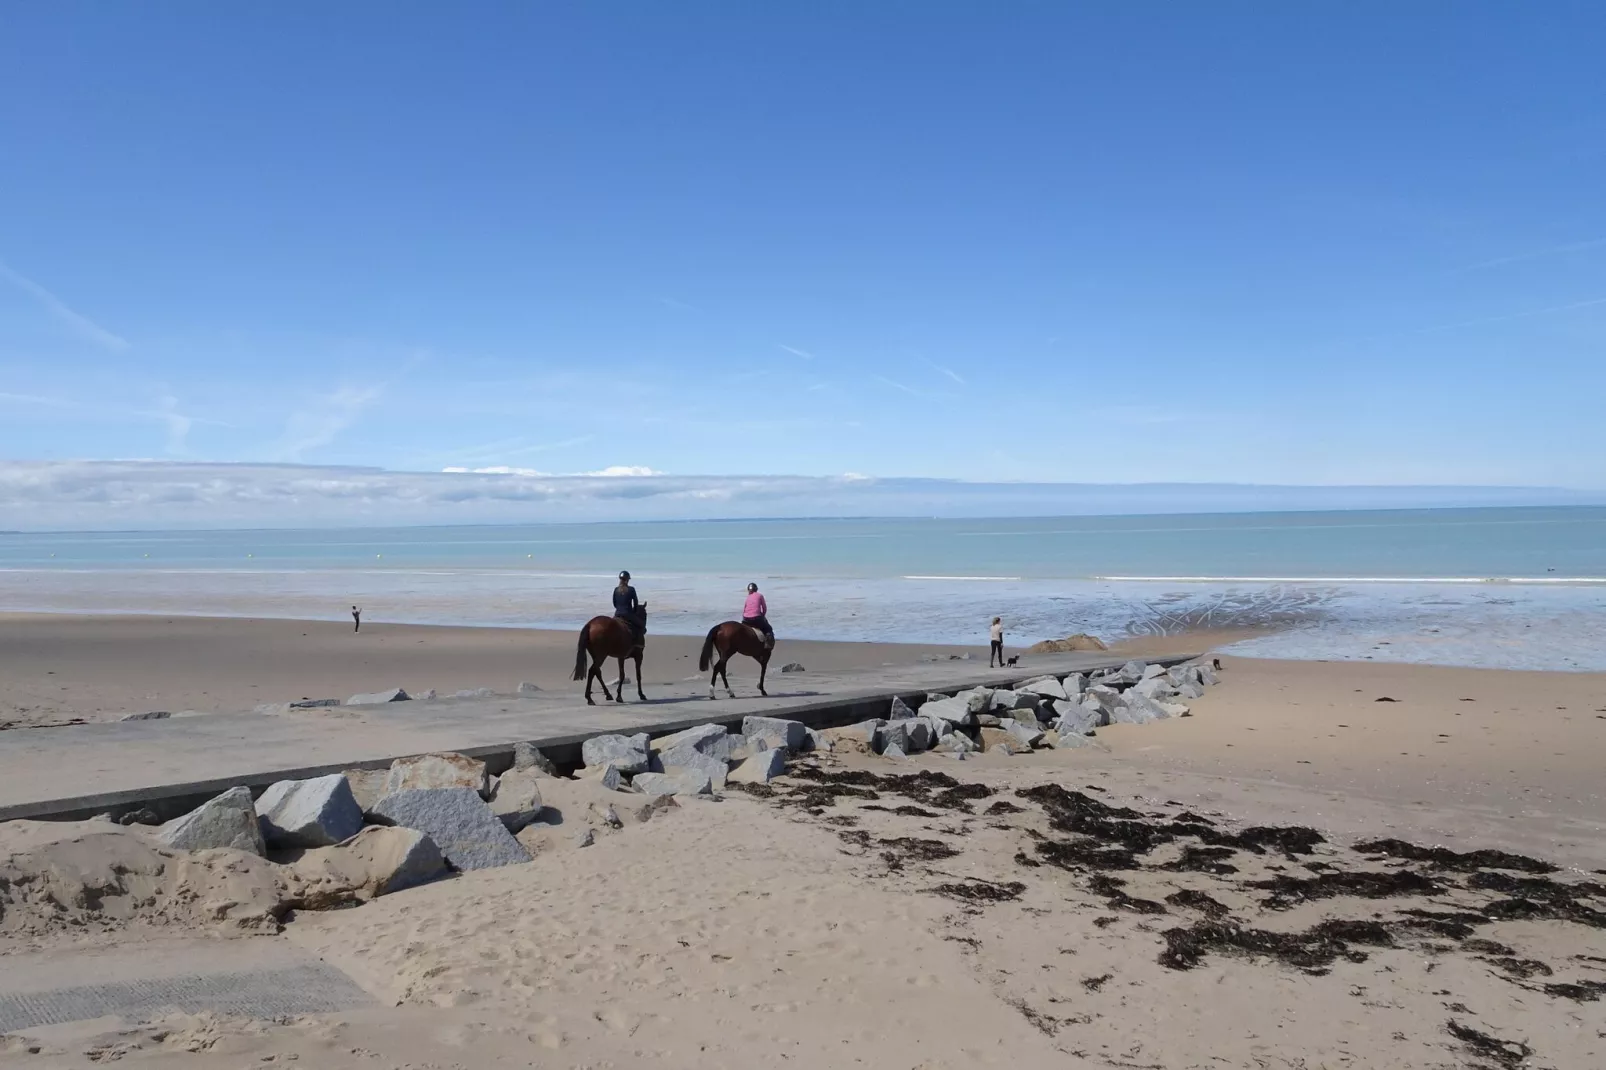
(1266, 243)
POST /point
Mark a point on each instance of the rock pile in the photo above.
(1045, 711)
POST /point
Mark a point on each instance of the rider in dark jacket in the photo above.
(626, 606)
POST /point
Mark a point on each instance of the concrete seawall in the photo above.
(169, 766)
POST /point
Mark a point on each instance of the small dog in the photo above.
(1013, 658)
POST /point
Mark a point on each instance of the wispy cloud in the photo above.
(1551, 311)
(1536, 254)
(911, 391)
(320, 422)
(178, 424)
(950, 373)
(78, 323)
(805, 354)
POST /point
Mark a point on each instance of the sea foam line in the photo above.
(970, 579)
(1358, 579)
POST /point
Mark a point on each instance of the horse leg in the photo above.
(596, 670)
(724, 670)
(642, 695)
(589, 700)
(763, 667)
(620, 686)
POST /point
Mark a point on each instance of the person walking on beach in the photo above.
(356, 619)
(626, 606)
(997, 650)
(755, 614)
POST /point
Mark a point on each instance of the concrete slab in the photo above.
(253, 977)
(169, 765)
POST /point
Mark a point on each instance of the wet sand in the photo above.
(58, 668)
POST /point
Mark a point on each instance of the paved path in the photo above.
(258, 978)
(81, 770)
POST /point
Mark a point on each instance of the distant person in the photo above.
(997, 651)
(755, 613)
(626, 606)
(356, 619)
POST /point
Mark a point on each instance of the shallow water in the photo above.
(1515, 588)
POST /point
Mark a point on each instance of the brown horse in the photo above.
(604, 638)
(730, 638)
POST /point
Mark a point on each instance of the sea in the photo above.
(1521, 588)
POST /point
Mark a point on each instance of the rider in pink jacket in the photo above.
(756, 613)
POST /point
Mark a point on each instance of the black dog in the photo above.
(1013, 659)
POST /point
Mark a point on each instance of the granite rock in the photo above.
(470, 836)
(228, 820)
(319, 812)
(627, 753)
(437, 771)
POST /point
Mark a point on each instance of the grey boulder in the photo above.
(1074, 684)
(894, 734)
(516, 799)
(952, 710)
(529, 756)
(468, 833)
(674, 782)
(918, 731)
(379, 698)
(901, 710)
(1131, 672)
(761, 768)
(229, 820)
(710, 740)
(627, 753)
(1028, 735)
(319, 812)
(775, 731)
(1046, 686)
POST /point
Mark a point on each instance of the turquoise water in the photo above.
(1523, 587)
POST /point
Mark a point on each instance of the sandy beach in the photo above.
(846, 918)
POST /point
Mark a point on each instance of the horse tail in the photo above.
(580, 654)
(708, 650)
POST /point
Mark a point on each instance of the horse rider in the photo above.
(627, 607)
(755, 614)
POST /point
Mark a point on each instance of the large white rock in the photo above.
(774, 732)
(1046, 686)
(761, 768)
(469, 835)
(319, 812)
(956, 743)
(674, 782)
(1132, 671)
(1074, 684)
(977, 699)
(379, 698)
(1151, 671)
(229, 820)
(1138, 709)
(437, 771)
(627, 753)
(516, 798)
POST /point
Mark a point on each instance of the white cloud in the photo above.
(614, 471)
(78, 323)
(176, 494)
(805, 354)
